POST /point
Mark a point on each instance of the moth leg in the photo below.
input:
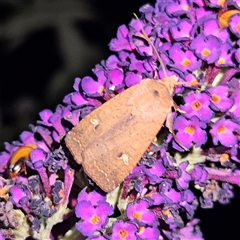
(155, 74)
(169, 125)
(177, 109)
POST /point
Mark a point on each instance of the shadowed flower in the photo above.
(183, 177)
(190, 231)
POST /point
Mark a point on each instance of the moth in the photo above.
(110, 140)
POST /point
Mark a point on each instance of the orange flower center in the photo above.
(61, 193)
(221, 61)
(196, 105)
(215, 98)
(137, 215)
(95, 219)
(186, 62)
(206, 52)
(101, 90)
(189, 130)
(224, 157)
(166, 212)
(122, 233)
(221, 129)
(186, 7)
(232, 109)
(141, 229)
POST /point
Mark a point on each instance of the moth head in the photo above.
(170, 83)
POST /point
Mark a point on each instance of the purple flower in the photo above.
(132, 78)
(183, 59)
(4, 158)
(207, 48)
(148, 232)
(93, 218)
(234, 111)
(226, 57)
(156, 197)
(192, 79)
(139, 212)
(220, 100)
(93, 88)
(96, 238)
(197, 105)
(17, 193)
(183, 177)
(124, 231)
(182, 30)
(237, 55)
(121, 42)
(190, 231)
(189, 131)
(234, 25)
(170, 194)
(155, 172)
(1, 236)
(93, 197)
(211, 27)
(58, 192)
(93, 211)
(223, 131)
(215, 3)
(199, 175)
(178, 8)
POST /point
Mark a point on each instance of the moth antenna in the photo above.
(154, 48)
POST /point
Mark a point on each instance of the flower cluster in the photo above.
(198, 42)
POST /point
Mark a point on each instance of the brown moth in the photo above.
(110, 141)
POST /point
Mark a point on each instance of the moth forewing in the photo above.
(93, 125)
(134, 118)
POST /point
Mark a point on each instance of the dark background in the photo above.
(44, 45)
